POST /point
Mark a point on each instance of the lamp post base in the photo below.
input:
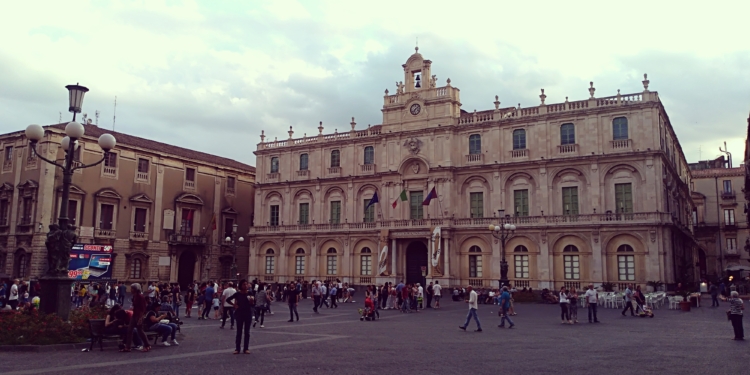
(55, 295)
(503, 282)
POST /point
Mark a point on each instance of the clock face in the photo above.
(415, 108)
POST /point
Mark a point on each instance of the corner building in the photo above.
(598, 189)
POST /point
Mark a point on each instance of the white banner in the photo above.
(383, 261)
(435, 247)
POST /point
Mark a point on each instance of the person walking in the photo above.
(429, 293)
(292, 298)
(592, 301)
(189, 300)
(242, 303)
(564, 303)
(13, 298)
(316, 293)
(735, 313)
(228, 306)
(176, 299)
(261, 305)
(333, 293)
(573, 305)
(472, 301)
(437, 293)
(504, 308)
(136, 322)
(208, 296)
(323, 295)
(714, 290)
(121, 291)
(628, 301)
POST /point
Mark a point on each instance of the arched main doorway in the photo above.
(186, 269)
(416, 258)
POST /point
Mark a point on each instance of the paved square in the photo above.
(336, 342)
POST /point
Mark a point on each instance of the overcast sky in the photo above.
(209, 76)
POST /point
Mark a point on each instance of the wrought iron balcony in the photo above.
(182, 239)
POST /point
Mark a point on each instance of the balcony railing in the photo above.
(365, 280)
(109, 171)
(728, 195)
(303, 173)
(8, 165)
(604, 219)
(621, 143)
(368, 168)
(731, 252)
(572, 284)
(272, 176)
(138, 236)
(474, 158)
(522, 153)
(190, 185)
(520, 284)
(105, 233)
(567, 149)
(141, 176)
(181, 239)
(334, 170)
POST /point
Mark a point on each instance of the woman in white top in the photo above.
(564, 315)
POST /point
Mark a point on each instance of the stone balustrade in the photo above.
(522, 222)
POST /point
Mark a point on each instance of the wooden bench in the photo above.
(96, 331)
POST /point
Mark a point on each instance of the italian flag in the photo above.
(402, 197)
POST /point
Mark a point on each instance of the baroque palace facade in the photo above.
(151, 203)
(598, 190)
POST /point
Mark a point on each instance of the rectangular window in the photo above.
(415, 205)
(335, 158)
(572, 267)
(369, 155)
(727, 186)
(475, 144)
(274, 165)
(228, 227)
(110, 160)
(626, 267)
(365, 264)
(570, 200)
(521, 269)
(186, 225)
(303, 162)
(143, 165)
(275, 215)
(72, 212)
(26, 210)
(475, 266)
(299, 265)
(106, 216)
(331, 265)
(521, 202)
(620, 129)
(731, 243)
(729, 217)
(9, 154)
(270, 266)
(77, 154)
(624, 198)
(304, 213)
(335, 212)
(567, 134)
(231, 182)
(476, 201)
(190, 174)
(4, 211)
(369, 212)
(139, 224)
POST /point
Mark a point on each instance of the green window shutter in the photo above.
(624, 198)
(521, 202)
(415, 204)
(477, 205)
(570, 200)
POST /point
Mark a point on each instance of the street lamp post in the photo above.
(55, 293)
(502, 232)
(233, 240)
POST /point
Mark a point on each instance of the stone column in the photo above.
(447, 258)
(598, 259)
(394, 272)
(545, 264)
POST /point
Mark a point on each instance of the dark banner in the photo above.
(90, 262)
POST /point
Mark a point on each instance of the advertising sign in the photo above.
(90, 262)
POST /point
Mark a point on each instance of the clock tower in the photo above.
(418, 102)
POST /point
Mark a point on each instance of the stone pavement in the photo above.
(336, 342)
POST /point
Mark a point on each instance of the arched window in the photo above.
(365, 262)
(135, 269)
(274, 164)
(475, 262)
(369, 155)
(331, 262)
(571, 263)
(475, 144)
(303, 162)
(625, 264)
(299, 262)
(567, 134)
(519, 139)
(335, 158)
(270, 262)
(521, 262)
(620, 128)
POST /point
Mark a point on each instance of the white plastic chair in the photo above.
(619, 301)
(609, 300)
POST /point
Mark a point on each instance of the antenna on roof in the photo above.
(114, 116)
(96, 114)
(59, 118)
(729, 154)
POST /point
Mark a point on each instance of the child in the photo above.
(216, 307)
